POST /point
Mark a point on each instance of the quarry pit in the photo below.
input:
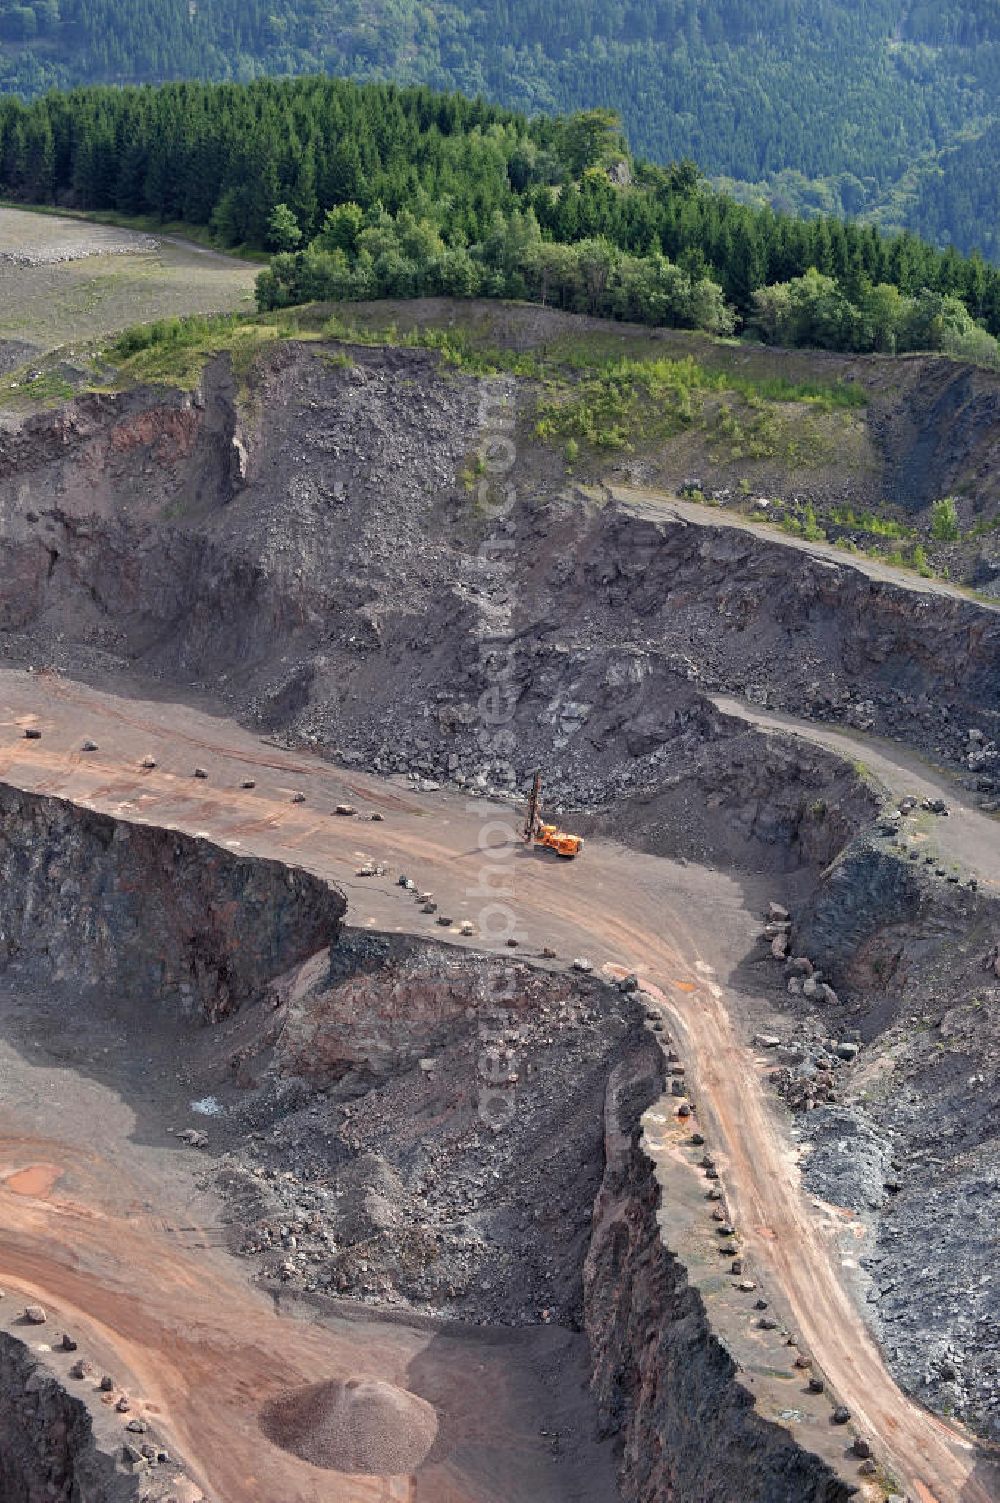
(127, 1227)
(334, 1191)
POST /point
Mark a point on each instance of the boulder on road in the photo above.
(133, 1460)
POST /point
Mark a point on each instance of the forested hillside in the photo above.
(372, 190)
(888, 107)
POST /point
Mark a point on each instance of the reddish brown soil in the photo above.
(36, 1181)
(200, 1351)
(193, 1336)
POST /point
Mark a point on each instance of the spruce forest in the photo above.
(379, 191)
(887, 108)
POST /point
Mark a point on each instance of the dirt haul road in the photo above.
(200, 1352)
(659, 506)
(969, 836)
(682, 928)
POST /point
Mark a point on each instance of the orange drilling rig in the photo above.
(548, 836)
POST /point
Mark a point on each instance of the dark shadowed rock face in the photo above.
(867, 890)
(150, 912)
(663, 1382)
(47, 1443)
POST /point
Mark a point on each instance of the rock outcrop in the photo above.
(910, 1145)
(664, 1384)
(868, 889)
(47, 1445)
(148, 912)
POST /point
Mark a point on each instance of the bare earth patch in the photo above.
(64, 279)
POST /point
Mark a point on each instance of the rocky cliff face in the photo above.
(911, 1146)
(939, 432)
(664, 1384)
(150, 913)
(320, 562)
(454, 1101)
(410, 1001)
(868, 891)
(47, 1446)
(734, 797)
(806, 633)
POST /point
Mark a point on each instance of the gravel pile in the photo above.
(54, 255)
(359, 1425)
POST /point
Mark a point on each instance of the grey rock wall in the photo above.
(147, 912)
